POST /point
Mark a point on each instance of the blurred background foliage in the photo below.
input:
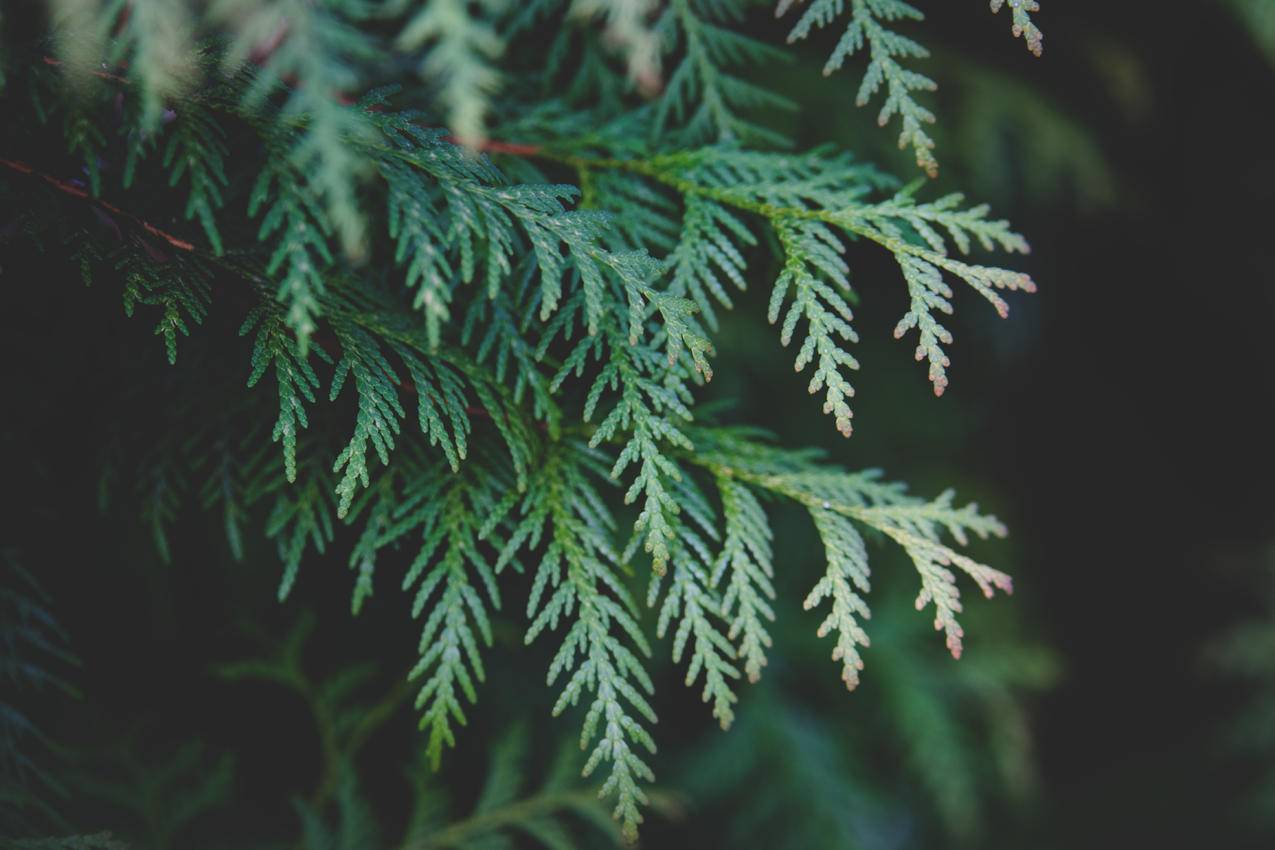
(1116, 423)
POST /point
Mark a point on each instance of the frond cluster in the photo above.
(814, 203)
(893, 57)
(479, 353)
(306, 52)
(889, 53)
(838, 502)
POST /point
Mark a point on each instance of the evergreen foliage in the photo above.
(1259, 18)
(1021, 26)
(1243, 656)
(540, 280)
(167, 797)
(345, 721)
(794, 785)
(35, 658)
(872, 30)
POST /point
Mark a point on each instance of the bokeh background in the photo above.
(1118, 422)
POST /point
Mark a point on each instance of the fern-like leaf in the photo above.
(447, 564)
(888, 52)
(301, 253)
(917, 528)
(845, 579)
(303, 515)
(819, 279)
(197, 151)
(576, 582)
(692, 602)
(275, 348)
(1021, 23)
(746, 561)
(701, 96)
(307, 50)
(181, 288)
(462, 47)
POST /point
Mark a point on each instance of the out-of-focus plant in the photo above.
(1245, 655)
(1259, 17)
(35, 658)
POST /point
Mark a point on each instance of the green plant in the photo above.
(1242, 656)
(533, 249)
(34, 660)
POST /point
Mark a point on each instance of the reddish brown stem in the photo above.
(497, 146)
(71, 189)
(105, 75)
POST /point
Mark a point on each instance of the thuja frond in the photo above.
(694, 604)
(308, 50)
(889, 54)
(946, 718)
(818, 277)
(923, 267)
(918, 529)
(354, 827)
(181, 288)
(746, 564)
(1021, 22)
(813, 201)
(447, 513)
(439, 382)
(498, 330)
(161, 484)
(276, 350)
(196, 152)
(379, 410)
(451, 576)
(484, 211)
(303, 516)
(844, 582)
(84, 139)
(792, 784)
(154, 38)
(707, 256)
(642, 217)
(837, 501)
(703, 100)
(415, 226)
(300, 229)
(647, 415)
(163, 794)
(576, 584)
(232, 483)
(629, 28)
(547, 813)
(462, 46)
